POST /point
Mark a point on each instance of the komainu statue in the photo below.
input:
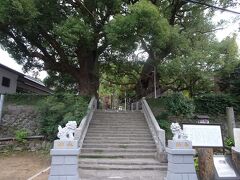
(67, 133)
(178, 133)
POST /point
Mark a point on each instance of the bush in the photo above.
(20, 135)
(229, 142)
(214, 103)
(23, 99)
(165, 124)
(176, 104)
(58, 110)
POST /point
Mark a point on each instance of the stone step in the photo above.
(117, 141)
(116, 150)
(125, 118)
(121, 125)
(118, 114)
(118, 155)
(130, 126)
(119, 117)
(119, 132)
(122, 174)
(129, 146)
(119, 135)
(145, 161)
(117, 129)
(122, 167)
(119, 121)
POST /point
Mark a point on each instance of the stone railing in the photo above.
(157, 133)
(136, 106)
(81, 131)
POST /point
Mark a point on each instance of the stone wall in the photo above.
(29, 145)
(18, 117)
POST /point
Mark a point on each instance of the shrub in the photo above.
(175, 104)
(165, 124)
(214, 103)
(20, 135)
(23, 99)
(58, 110)
(229, 142)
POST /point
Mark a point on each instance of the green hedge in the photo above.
(175, 104)
(215, 104)
(58, 110)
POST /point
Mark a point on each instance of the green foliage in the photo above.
(73, 29)
(23, 99)
(229, 142)
(143, 21)
(20, 135)
(175, 104)
(230, 82)
(165, 124)
(196, 165)
(214, 103)
(59, 109)
(60, 82)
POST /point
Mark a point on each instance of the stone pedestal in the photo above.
(180, 160)
(64, 165)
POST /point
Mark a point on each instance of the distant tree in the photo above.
(169, 30)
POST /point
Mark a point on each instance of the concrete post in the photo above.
(137, 106)
(180, 160)
(1, 106)
(230, 121)
(64, 163)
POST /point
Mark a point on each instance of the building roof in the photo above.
(28, 80)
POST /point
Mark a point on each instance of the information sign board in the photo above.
(204, 135)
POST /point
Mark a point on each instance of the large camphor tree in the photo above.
(62, 36)
(78, 39)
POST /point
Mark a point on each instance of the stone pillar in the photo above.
(230, 121)
(64, 163)
(180, 160)
(137, 106)
(1, 106)
(236, 149)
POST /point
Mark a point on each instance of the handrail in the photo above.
(81, 131)
(157, 133)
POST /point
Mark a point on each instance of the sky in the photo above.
(229, 29)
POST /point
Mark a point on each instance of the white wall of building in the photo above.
(13, 82)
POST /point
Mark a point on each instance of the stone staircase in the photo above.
(119, 145)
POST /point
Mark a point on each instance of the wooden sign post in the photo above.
(205, 162)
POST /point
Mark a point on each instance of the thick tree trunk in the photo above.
(88, 76)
